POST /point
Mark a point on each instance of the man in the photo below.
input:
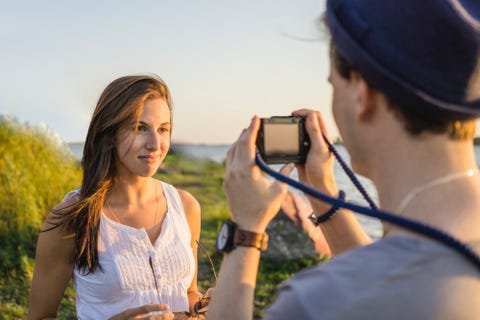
(406, 91)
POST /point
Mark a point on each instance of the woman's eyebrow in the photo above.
(166, 123)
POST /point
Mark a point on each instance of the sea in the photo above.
(218, 154)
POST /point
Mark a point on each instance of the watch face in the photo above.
(222, 237)
(225, 237)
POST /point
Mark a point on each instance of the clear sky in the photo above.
(224, 61)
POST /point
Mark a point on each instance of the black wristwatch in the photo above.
(230, 236)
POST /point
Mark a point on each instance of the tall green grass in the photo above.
(36, 170)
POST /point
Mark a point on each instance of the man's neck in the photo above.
(436, 170)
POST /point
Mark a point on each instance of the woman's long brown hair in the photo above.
(119, 106)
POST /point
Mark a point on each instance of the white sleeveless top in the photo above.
(127, 278)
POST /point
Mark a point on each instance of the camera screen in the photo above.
(281, 138)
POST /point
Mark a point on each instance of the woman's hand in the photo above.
(253, 200)
(201, 306)
(299, 210)
(148, 311)
(193, 298)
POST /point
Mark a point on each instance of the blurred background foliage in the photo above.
(36, 170)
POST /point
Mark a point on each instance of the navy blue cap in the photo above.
(424, 54)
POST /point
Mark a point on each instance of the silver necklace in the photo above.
(435, 182)
(156, 209)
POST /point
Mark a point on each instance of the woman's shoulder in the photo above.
(192, 210)
(75, 194)
(54, 238)
(68, 200)
(185, 196)
(190, 203)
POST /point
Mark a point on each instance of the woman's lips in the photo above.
(149, 158)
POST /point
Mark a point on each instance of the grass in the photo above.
(36, 170)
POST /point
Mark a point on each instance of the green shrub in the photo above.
(36, 170)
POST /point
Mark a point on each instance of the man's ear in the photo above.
(365, 96)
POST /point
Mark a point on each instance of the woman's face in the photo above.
(142, 149)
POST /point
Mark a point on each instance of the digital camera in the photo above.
(283, 139)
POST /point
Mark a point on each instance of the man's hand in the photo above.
(253, 200)
(317, 171)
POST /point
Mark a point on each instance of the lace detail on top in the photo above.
(128, 279)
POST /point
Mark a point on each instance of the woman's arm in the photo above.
(54, 263)
(343, 231)
(299, 210)
(193, 215)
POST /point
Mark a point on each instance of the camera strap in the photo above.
(373, 211)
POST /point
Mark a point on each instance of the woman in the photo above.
(127, 239)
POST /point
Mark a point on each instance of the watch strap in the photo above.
(246, 238)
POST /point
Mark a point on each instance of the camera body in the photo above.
(283, 139)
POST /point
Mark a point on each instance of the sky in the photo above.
(224, 61)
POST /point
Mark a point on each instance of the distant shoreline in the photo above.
(81, 143)
(215, 152)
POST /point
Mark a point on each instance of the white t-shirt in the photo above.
(131, 264)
